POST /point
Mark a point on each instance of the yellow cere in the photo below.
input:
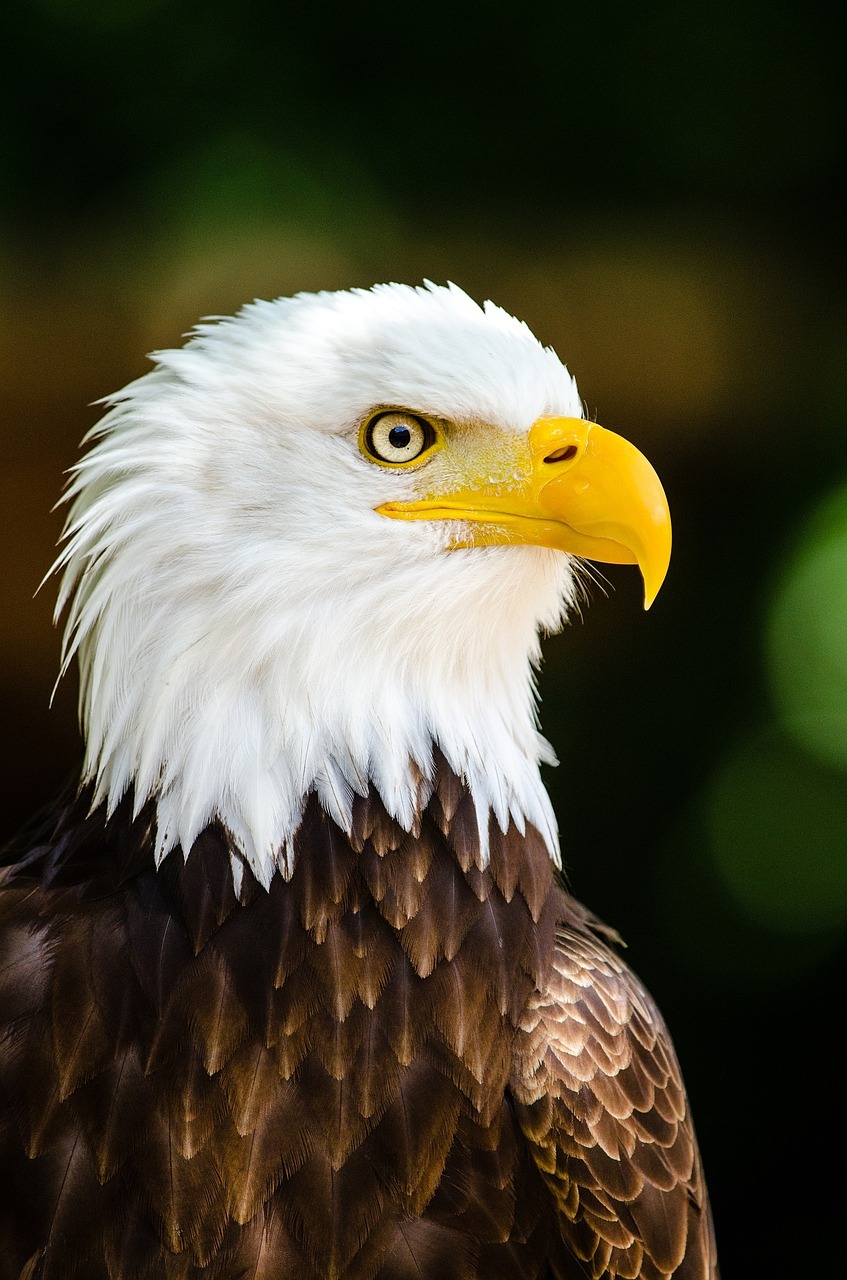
(477, 457)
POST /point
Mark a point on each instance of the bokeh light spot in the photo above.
(776, 823)
(806, 637)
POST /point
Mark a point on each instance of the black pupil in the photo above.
(399, 437)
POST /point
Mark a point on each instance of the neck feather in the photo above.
(238, 714)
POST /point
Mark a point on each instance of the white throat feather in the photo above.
(250, 630)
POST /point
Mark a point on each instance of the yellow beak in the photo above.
(589, 492)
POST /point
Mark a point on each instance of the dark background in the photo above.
(659, 190)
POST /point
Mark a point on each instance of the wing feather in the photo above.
(600, 1098)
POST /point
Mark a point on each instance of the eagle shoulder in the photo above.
(600, 1099)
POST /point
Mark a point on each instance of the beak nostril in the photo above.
(564, 454)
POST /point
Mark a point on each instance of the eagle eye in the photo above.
(396, 437)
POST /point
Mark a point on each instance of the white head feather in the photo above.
(250, 630)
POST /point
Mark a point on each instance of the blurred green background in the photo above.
(659, 190)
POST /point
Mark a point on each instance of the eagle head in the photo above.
(319, 542)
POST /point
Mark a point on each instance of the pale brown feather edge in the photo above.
(599, 1095)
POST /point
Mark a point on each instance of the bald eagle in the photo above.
(290, 987)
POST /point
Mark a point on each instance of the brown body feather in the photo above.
(393, 1065)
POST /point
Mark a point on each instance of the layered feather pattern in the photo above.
(395, 1064)
(599, 1095)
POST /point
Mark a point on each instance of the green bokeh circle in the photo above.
(776, 823)
(806, 637)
